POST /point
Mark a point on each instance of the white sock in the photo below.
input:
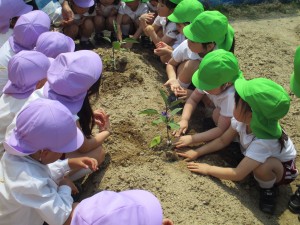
(80, 173)
(184, 85)
(125, 29)
(265, 184)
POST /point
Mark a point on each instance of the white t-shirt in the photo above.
(169, 28)
(6, 53)
(223, 101)
(179, 39)
(4, 37)
(9, 106)
(262, 149)
(125, 10)
(29, 193)
(107, 9)
(183, 53)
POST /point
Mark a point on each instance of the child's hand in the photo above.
(184, 141)
(67, 14)
(189, 155)
(161, 44)
(173, 83)
(127, 45)
(167, 222)
(183, 127)
(102, 119)
(181, 93)
(161, 51)
(201, 168)
(149, 29)
(83, 162)
(67, 181)
(147, 17)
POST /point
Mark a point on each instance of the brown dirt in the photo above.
(266, 38)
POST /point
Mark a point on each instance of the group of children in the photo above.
(46, 138)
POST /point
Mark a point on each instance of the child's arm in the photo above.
(171, 69)
(83, 163)
(188, 109)
(213, 146)
(245, 167)
(222, 126)
(67, 13)
(119, 30)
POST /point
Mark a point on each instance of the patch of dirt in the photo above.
(266, 39)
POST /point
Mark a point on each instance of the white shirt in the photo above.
(6, 53)
(125, 10)
(223, 101)
(4, 37)
(262, 149)
(107, 9)
(9, 106)
(29, 194)
(179, 39)
(169, 28)
(183, 53)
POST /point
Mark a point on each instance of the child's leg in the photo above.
(186, 70)
(99, 22)
(71, 31)
(87, 28)
(109, 23)
(166, 58)
(126, 25)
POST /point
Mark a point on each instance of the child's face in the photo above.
(242, 115)
(79, 10)
(107, 2)
(180, 27)
(48, 156)
(199, 48)
(163, 10)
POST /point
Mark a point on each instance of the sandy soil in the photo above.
(266, 39)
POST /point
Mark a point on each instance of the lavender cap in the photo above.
(53, 43)
(25, 70)
(134, 207)
(10, 9)
(70, 76)
(84, 3)
(27, 30)
(44, 124)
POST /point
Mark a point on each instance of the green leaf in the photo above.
(175, 103)
(116, 45)
(156, 122)
(174, 111)
(155, 141)
(107, 39)
(174, 126)
(163, 118)
(130, 40)
(164, 96)
(115, 26)
(149, 112)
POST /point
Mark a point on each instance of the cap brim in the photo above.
(174, 19)
(26, 9)
(295, 85)
(200, 84)
(14, 46)
(85, 5)
(240, 85)
(149, 202)
(12, 90)
(188, 34)
(227, 43)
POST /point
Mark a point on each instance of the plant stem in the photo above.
(167, 123)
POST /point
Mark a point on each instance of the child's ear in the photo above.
(211, 46)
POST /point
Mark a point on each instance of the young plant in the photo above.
(166, 117)
(117, 45)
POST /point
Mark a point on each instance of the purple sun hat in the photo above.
(10, 9)
(25, 70)
(70, 76)
(53, 43)
(27, 30)
(84, 3)
(44, 124)
(134, 207)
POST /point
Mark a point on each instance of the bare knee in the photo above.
(99, 22)
(71, 31)
(87, 28)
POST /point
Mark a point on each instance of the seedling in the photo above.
(166, 117)
(117, 45)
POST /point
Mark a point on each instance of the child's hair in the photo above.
(168, 3)
(86, 115)
(116, 2)
(245, 107)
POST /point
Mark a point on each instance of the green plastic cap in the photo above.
(186, 11)
(216, 68)
(269, 102)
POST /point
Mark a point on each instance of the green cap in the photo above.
(216, 68)
(186, 11)
(295, 78)
(126, 1)
(210, 26)
(269, 103)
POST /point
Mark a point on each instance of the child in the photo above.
(10, 9)
(209, 31)
(24, 73)
(294, 203)
(184, 13)
(134, 207)
(128, 19)
(269, 153)
(106, 14)
(152, 6)
(26, 32)
(69, 80)
(213, 80)
(33, 187)
(162, 29)
(80, 25)
(52, 44)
